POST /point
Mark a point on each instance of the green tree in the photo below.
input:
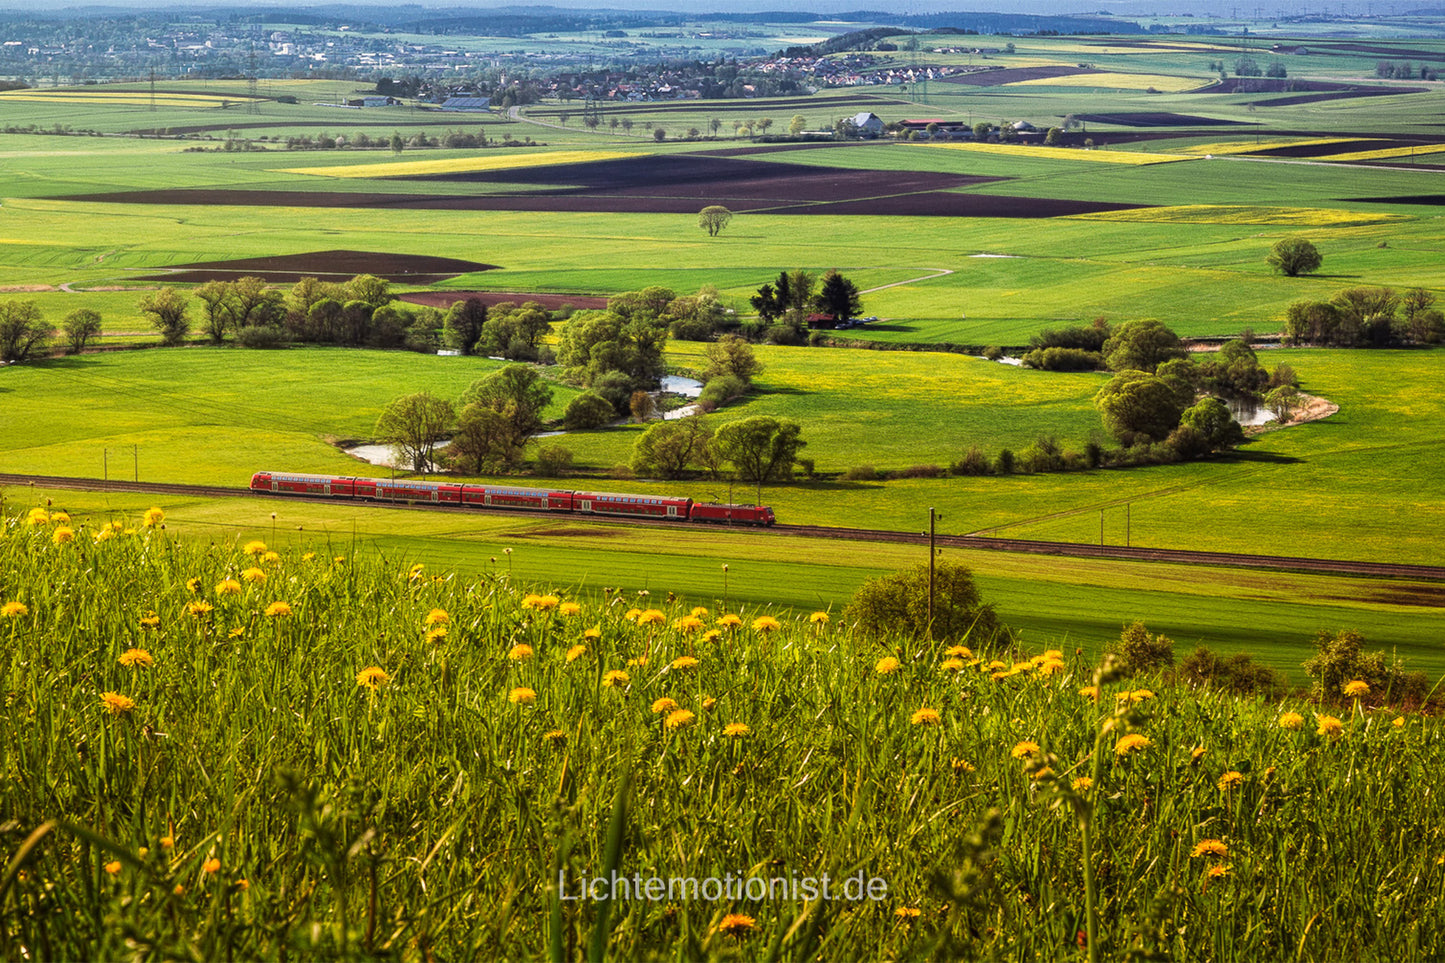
(1138, 406)
(731, 355)
(797, 125)
(1293, 256)
(838, 297)
(981, 130)
(23, 331)
(895, 606)
(593, 343)
(462, 328)
(713, 219)
(80, 326)
(1054, 137)
(397, 144)
(213, 296)
(1141, 346)
(1311, 322)
(483, 441)
(413, 425)
(761, 448)
(588, 410)
(667, 448)
(167, 309)
(1282, 402)
(520, 396)
(1216, 426)
(1366, 315)
(514, 332)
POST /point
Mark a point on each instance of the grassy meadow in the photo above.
(449, 760)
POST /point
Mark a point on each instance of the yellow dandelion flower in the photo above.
(193, 585)
(632, 615)
(228, 586)
(711, 635)
(1043, 773)
(153, 517)
(1021, 667)
(958, 652)
(436, 634)
(168, 842)
(593, 633)
(1218, 870)
(179, 890)
(925, 717)
(576, 652)
(729, 621)
(211, 866)
(569, 609)
(688, 624)
(736, 730)
(520, 652)
(62, 535)
(278, 609)
(150, 620)
(115, 703)
(1356, 689)
(886, 665)
(437, 617)
(415, 572)
(615, 677)
(546, 603)
(766, 624)
(708, 703)
(737, 925)
(962, 765)
(634, 663)
(1291, 720)
(663, 704)
(555, 736)
(1196, 754)
(372, 676)
(243, 884)
(113, 868)
(1090, 692)
(1133, 742)
(238, 632)
(684, 662)
(1209, 847)
(819, 618)
(1024, 750)
(952, 665)
(1082, 784)
(14, 610)
(1050, 666)
(271, 558)
(1398, 722)
(678, 718)
(1139, 695)
(530, 601)
(257, 547)
(104, 535)
(1229, 780)
(133, 657)
(1329, 726)
(522, 696)
(38, 517)
(907, 914)
(253, 575)
(60, 518)
(997, 664)
(308, 556)
(651, 617)
(699, 612)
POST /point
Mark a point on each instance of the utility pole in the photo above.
(933, 518)
(1101, 528)
(135, 450)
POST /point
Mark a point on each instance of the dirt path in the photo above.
(937, 273)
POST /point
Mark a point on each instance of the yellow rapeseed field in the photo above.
(1056, 153)
(1250, 147)
(461, 165)
(1421, 150)
(126, 98)
(1241, 214)
(1117, 81)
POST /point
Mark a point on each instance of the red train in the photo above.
(502, 496)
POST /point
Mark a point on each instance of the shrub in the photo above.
(1004, 464)
(993, 352)
(861, 473)
(553, 461)
(261, 336)
(896, 605)
(1043, 455)
(719, 391)
(1064, 359)
(973, 462)
(588, 410)
(1139, 651)
(1339, 658)
(1237, 674)
(921, 471)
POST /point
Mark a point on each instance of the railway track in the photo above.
(1285, 563)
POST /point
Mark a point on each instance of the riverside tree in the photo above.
(667, 448)
(413, 425)
(1138, 406)
(80, 326)
(167, 309)
(761, 448)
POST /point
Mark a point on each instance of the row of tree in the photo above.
(1366, 317)
(25, 333)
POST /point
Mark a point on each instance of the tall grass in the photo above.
(358, 756)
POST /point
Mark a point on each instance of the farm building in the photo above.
(868, 123)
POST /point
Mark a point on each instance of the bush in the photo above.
(1238, 674)
(1004, 464)
(993, 352)
(1043, 455)
(1064, 359)
(921, 471)
(973, 462)
(719, 391)
(861, 473)
(588, 410)
(894, 606)
(1139, 651)
(1339, 658)
(261, 336)
(553, 461)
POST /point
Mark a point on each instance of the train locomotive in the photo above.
(502, 496)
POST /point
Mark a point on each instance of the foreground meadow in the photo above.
(234, 751)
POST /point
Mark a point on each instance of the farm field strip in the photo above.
(462, 165)
(1250, 147)
(1387, 153)
(1240, 214)
(1169, 83)
(1109, 156)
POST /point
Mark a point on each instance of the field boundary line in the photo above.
(938, 273)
